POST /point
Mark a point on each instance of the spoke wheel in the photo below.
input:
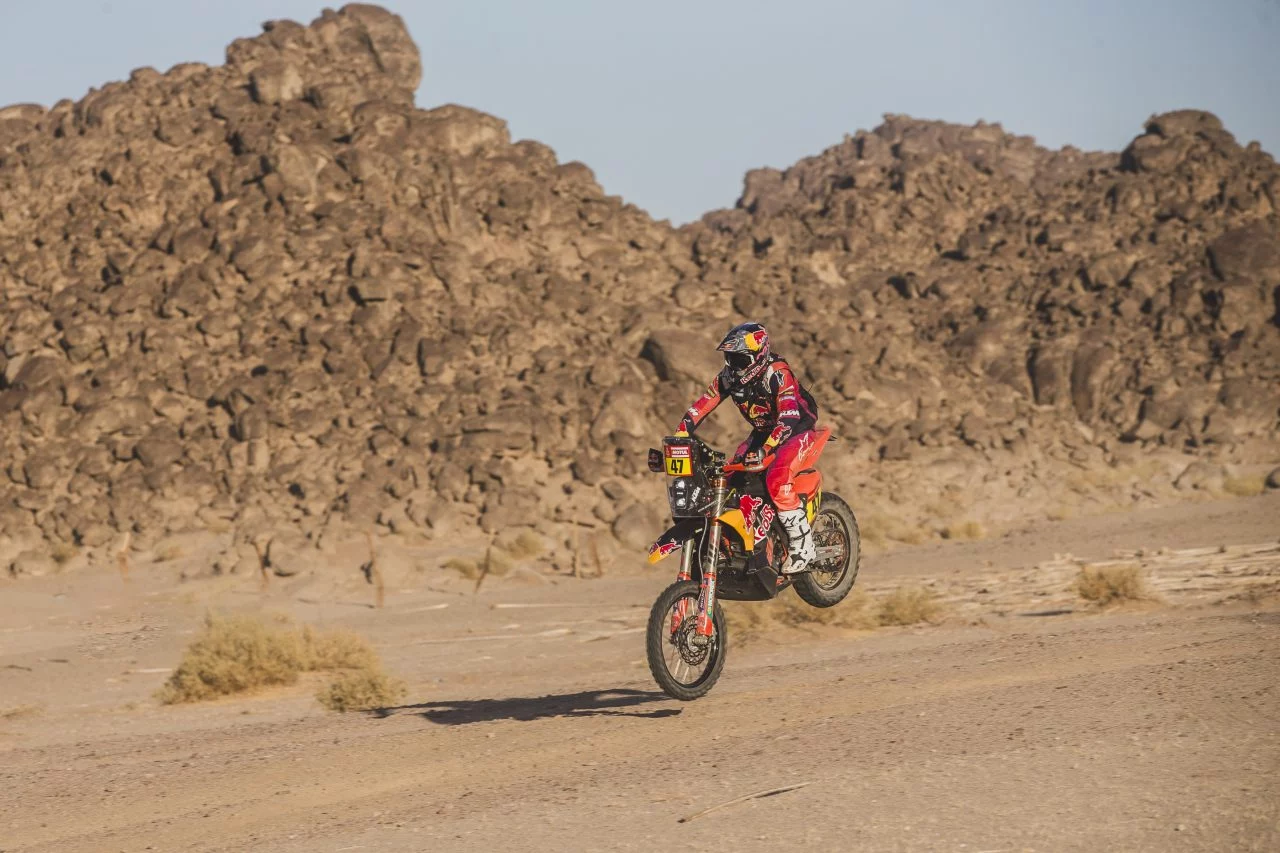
(684, 665)
(835, 531)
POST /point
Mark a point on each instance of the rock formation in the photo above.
(275, 300)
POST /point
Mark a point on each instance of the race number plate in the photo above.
(679, 460)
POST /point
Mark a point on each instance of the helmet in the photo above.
(746, 351)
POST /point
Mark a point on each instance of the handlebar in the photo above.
(737, 467)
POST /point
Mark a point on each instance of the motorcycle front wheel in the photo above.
(684, 669)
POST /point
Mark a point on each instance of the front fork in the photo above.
(711, 560)
(681, 609)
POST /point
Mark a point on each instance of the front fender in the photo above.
(681, 531)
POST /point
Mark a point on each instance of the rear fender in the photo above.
(821, 436)
(808, 485)
(670, 542)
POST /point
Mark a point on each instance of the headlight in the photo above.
(679, 494)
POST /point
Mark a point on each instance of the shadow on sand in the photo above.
(588, 703)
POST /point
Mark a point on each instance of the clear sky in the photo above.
(671, 102)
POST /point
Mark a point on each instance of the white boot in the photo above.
(800, 534)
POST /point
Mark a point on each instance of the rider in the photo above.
(782, 415)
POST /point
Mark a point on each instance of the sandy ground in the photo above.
(1026, 721)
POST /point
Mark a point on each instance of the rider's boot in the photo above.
(800, 546)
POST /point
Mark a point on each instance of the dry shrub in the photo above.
(904, 606)
(20, 712)
(1245, 487)
(238, 654)
(337, 649)
(750, 619)
(361, 690)
(497, 562)
(970, 530)
(168, 553)
(464, 566)
(1108, 584)
(526, 545)
(908, 606)
(1061, 512)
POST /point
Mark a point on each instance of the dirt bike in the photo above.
(732, 546)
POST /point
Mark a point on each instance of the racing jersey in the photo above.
(775, 403)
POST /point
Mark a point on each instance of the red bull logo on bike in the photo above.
(759, 515)
(661, 550)
(766, 520)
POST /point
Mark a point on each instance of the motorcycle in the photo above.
(733, 547)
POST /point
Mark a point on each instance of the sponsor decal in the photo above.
(766, 519)
(678, 451)
(755, 340)
(755, 411)
(806, 444)
(661, 549)
(759, 515)
(792, 411)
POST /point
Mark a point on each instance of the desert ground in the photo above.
(1021, 719)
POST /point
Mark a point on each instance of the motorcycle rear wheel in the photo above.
(661, 643)
(827, 583)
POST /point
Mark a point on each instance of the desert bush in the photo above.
(903, 606)
(20, 712)
(464, 566)
(970, 530)
(1245, 487)
(168, 553)
(496, 562)
(337, 649)
(238, 654)
(908, 606)
(1061, 512)
(1107, 584)
(360, 690)
(526, 545)
(750, 619)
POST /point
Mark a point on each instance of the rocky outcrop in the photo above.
(277, 298)
(1034, 292)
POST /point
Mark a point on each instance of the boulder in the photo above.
(686, 357)
(32, 563)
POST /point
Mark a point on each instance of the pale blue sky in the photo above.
(670, 102)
